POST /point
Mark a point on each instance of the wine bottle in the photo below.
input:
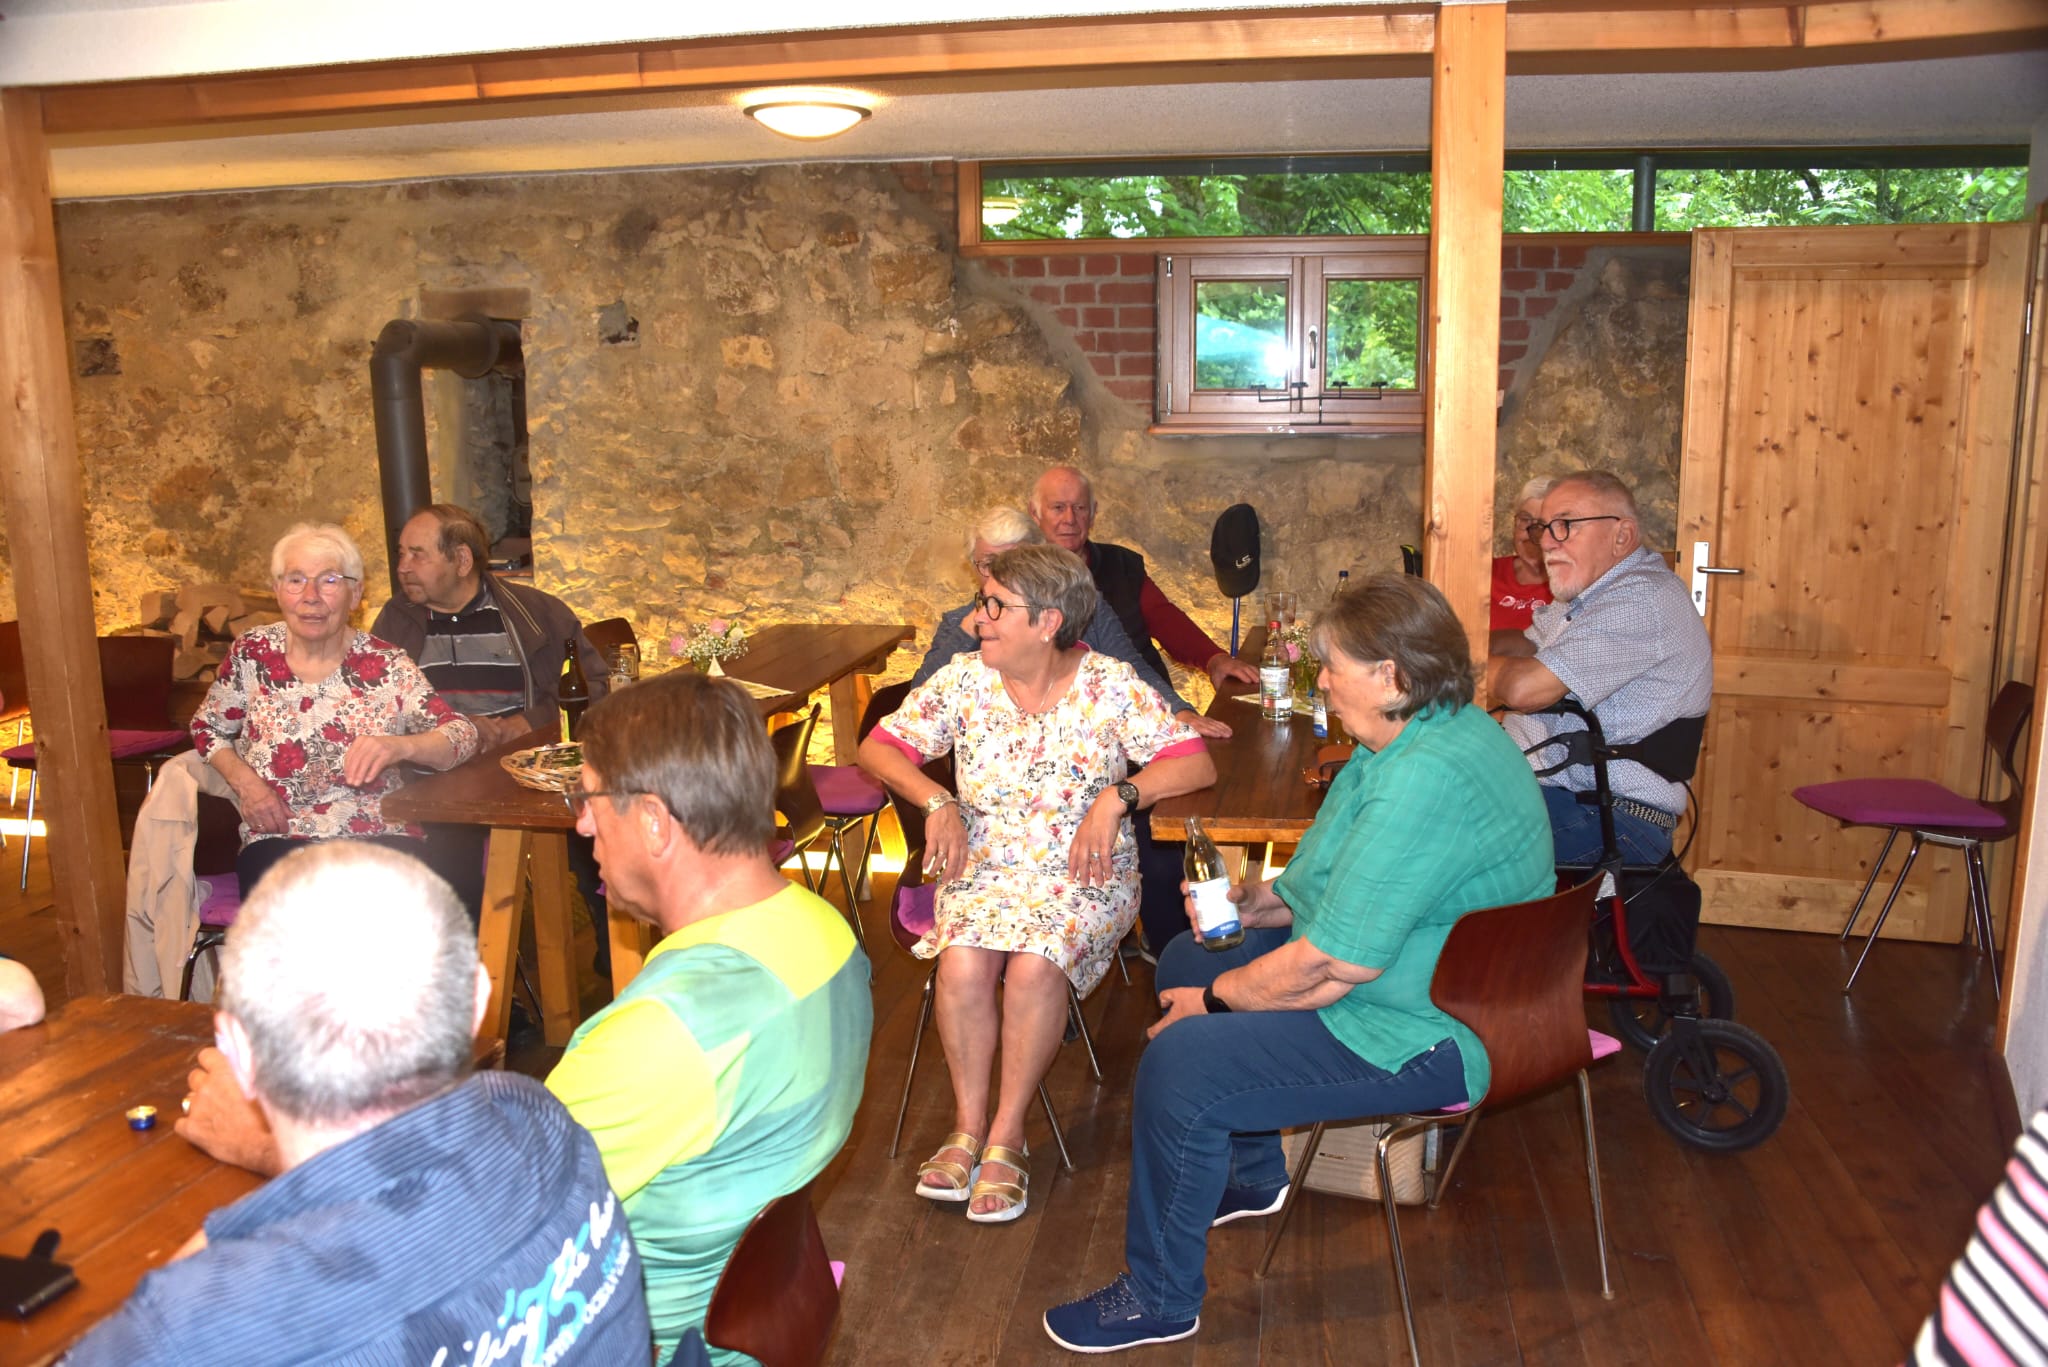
(573, 692)
(1209, 886)
(1276, 677)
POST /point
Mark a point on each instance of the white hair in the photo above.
(1003, 527)
(352, 968)
(321, 538)
(1535, 488)
(1087, 485)
(1608, 487)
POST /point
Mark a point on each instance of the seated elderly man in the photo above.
(728, 1072)
(420, 1214)
(1624, 640)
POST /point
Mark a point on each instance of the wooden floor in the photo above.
(1825, 1245)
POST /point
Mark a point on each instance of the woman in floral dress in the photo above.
(310, 718)
(1034, 859)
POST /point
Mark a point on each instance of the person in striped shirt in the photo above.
(1993, 1308)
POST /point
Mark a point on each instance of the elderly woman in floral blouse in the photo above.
(310, 719)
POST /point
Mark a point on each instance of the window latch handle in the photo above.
(1311, 348)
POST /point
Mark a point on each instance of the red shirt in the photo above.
(1513, 600)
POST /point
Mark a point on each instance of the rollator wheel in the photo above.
(1642, 1022)
(1716, 1085)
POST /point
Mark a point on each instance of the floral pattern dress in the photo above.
(294, 733)
(1025, 781)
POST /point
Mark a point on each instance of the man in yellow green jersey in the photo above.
(728, 1071)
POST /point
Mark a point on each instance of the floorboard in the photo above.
(1825, 1244)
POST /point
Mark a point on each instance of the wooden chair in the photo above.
(803, 820)
(610, 634)
(852, 800)
(776, 1299)
(1515, 976)
(13, 694)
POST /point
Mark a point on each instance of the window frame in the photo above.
(1179, 408)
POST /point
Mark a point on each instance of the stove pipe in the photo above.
(471, 347)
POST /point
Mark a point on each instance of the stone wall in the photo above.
(777, 390)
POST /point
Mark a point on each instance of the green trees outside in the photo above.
(1360, 203)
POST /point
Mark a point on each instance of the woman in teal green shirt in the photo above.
(1323, 1013)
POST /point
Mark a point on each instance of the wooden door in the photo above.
(1848, 448)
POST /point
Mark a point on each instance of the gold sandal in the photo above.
(960, 1179)
(1015, 1196)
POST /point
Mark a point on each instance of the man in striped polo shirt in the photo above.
(728, 1072)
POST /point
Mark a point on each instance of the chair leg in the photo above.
(1593, 1181)
(28, 838)
(837, 851)
(1980, 910)
(1052, 1118)
(1868, 883)
(1468, 1122)
(200, 944)
(924, 1015)
(1295, 1181)
(1392, 1208)
(1911, 854)
(1081, 1024)
(14, 785)
(1121, 966)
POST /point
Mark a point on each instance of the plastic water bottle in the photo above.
(1276, 677)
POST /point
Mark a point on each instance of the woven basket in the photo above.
(529, 771)
(1344, 1164)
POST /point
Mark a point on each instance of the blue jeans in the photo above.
(1575, 828)
(1211, 1094)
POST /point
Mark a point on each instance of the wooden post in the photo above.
(40, 485)
(1466, 139)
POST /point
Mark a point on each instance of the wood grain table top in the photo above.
(1259, 793)
(798, 657)
(122, 1200)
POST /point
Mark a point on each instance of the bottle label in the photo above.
(1276, 691)
(1215, 913)
(1322, 715)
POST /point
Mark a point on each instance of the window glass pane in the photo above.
(1372, 327)
(1764, 198)
(1280, 204)
(1567, 201)
(1240, 334)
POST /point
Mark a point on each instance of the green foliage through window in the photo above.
(1541, 193)
(1372, 328)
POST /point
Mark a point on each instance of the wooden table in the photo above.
(529, 829)
(1259, 795)
(123, 1200)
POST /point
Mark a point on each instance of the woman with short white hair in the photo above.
(1520, 582)
(310, 718)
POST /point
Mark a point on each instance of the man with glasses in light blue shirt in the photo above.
(1623, 639)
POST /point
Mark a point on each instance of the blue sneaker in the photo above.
(1242, 1203)
(1110, 1320)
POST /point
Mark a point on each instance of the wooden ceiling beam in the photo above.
(1537, 28)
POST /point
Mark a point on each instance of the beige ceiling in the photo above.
(1997, 97)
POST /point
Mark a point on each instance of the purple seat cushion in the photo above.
(780, 851)
(123, 744)
(913, 912)
(130, 744)
(221, 907)
(1603, 1045)
(1909, 802)
(846, 790)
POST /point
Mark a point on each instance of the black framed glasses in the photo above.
(1560, 528)
(579, 798)
(992, 607)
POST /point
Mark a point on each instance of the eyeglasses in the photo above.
(327, 583)
(992, 606)
(981, 564)
(1560, 528)
(1531, 527)
(579, 798)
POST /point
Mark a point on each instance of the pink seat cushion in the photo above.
(123, 744)
(914, 910)
(129, 744)
(222, 905)
(1908, 802)
(1603, 1045)
(846, 790)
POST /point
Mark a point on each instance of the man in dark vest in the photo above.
(1063, 504)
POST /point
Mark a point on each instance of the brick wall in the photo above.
(1105, 300)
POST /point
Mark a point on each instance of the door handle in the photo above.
(1702, 552)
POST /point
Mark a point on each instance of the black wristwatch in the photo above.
(1214, 1004)
(1128, 791)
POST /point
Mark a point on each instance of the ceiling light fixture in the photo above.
(996, 210)
(807, 119)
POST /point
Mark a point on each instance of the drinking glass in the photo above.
(1281, 607)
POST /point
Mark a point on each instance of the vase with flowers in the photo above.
(708, 645)
(1301, 660)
